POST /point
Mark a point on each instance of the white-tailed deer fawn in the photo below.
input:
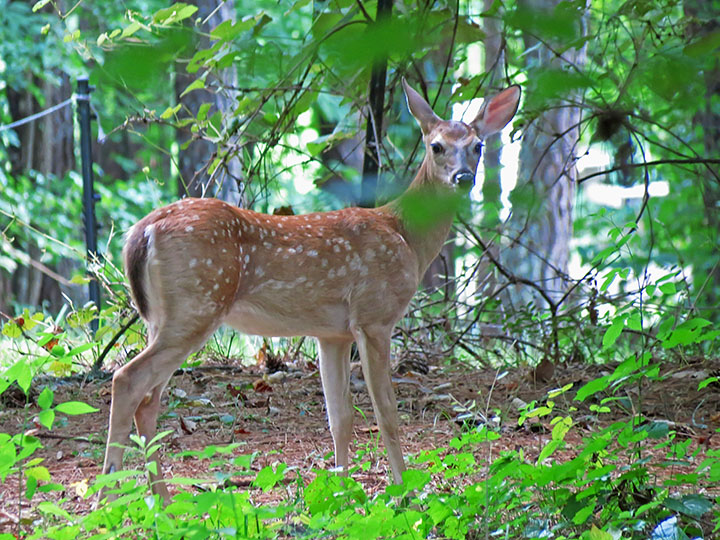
(339, 276)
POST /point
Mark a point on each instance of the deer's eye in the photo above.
(437, 148)
(478, 148)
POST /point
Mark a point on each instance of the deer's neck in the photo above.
(426, 211)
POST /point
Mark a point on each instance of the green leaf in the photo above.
(11, 330)
(299, 4)
(668, 288)
(8, 456)
(658, 430)
(75, 407)
(80, 349)
(227, 30)
(45, 398)
(608, 279)
(51, 508)
(46, 418)
(80, 279)
(548, 450)
(703, 46)
(592, 387)
(613, 332)
(202, 111)
(267, 478)
(174, 14)
(130, 29)
(414, 479)
(170, 111)
(197, 84)
(264, 19)
(597, 534)
(692, 505)
(583, 514)
(38, 473)
(39, 5)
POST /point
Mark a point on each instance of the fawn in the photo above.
(342, 277)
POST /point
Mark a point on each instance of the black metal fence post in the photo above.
(83, 104)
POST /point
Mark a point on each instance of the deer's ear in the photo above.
(420, 109)
(497, 112)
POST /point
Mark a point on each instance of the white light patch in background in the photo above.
(304, 183)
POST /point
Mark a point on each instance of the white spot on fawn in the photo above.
(208, 262)
(313, 253)
(189, 228)
(193, 262)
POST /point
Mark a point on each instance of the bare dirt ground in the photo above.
(282, 418)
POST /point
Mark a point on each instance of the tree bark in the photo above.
(492, 152)
(46, 146)
(195, 157)
(374, 126)
(705, 17)
(543, 200)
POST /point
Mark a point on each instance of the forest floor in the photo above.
(282, 418)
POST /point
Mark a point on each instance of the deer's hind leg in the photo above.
(137, 388)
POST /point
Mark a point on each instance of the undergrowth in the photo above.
(610, 488)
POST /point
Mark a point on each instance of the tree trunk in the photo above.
(491, 187)
(706, 20)
(46, 146)
(374, 123)
(194, 158)
(543, 199)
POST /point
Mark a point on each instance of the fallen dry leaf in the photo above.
(261, 385)
(187, 425)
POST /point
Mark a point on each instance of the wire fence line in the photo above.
(50, 110)
(38, 115)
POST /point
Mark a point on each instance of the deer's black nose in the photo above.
(464, 178)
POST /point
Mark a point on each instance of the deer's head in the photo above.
(453, 149)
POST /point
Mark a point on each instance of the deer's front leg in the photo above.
(374, 347)
(335, 375)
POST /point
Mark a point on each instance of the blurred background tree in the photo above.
(608, 184)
